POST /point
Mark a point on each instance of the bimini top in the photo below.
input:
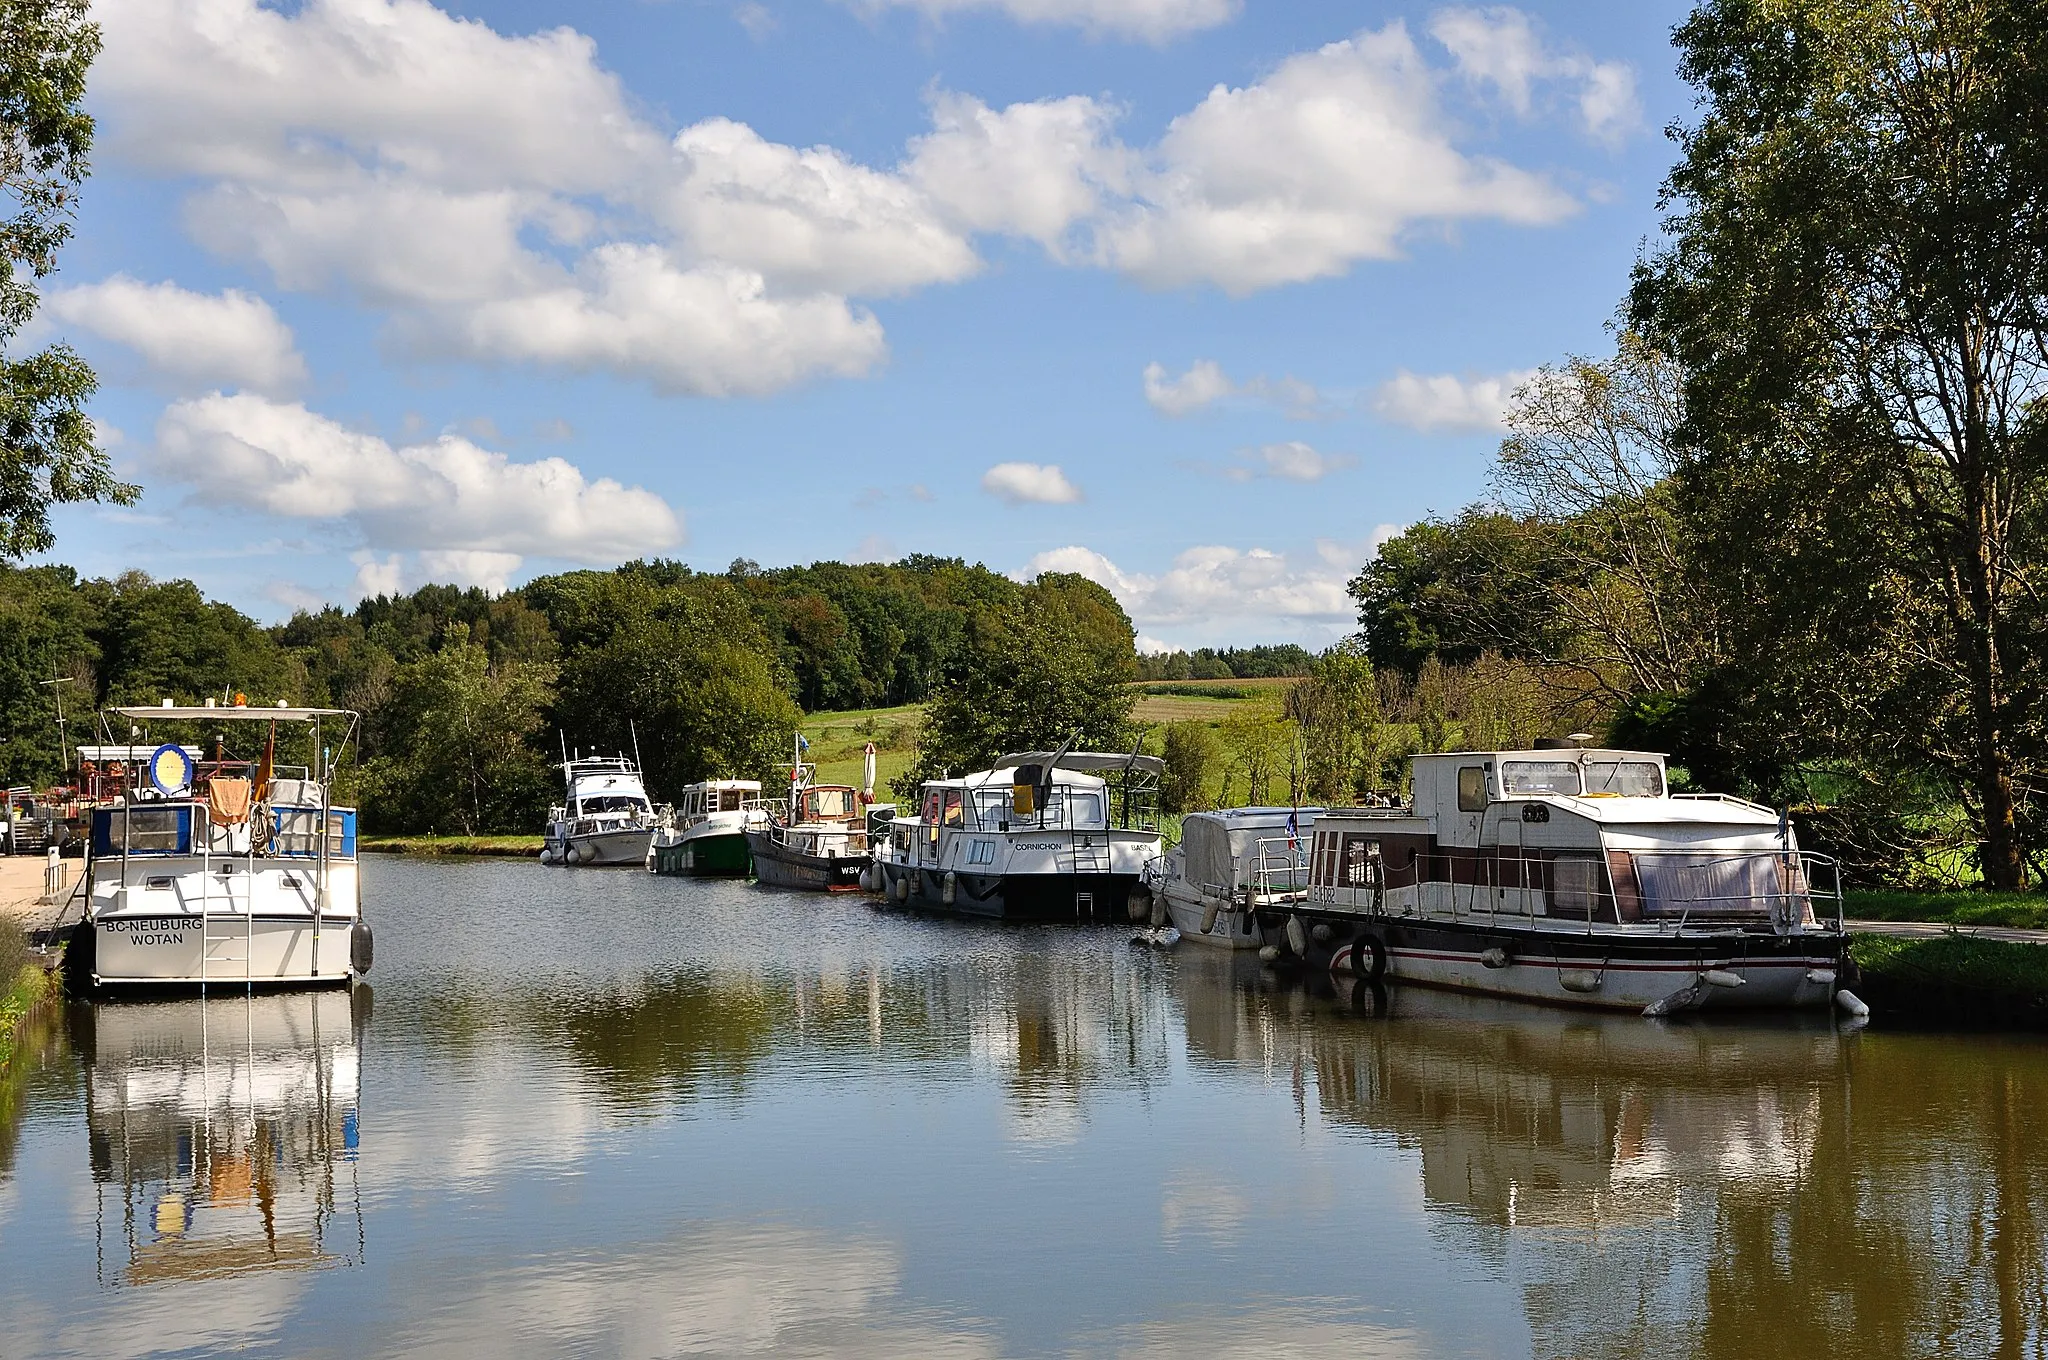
(248, 712)
(1084, 760)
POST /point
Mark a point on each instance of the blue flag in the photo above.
(801, 743)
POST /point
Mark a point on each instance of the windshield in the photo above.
(1527, 777)
(1629, 778)
(830, 804)
(612, 802)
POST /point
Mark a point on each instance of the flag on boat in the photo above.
(1293, 832)
(802, 742)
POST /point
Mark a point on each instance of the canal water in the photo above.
(600, 1113)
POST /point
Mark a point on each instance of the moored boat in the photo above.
(1042, 836)
(224, 871)
(1229, 866)
(704, 835)
(604, 819)
(1572, 876)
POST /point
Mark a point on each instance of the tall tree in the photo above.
(1855, 282)
(47, 452)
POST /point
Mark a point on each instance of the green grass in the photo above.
(1954, 980)
(25, 984)
(838, 740)
(449, 845)
(2022, 910)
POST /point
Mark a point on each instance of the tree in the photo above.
(1259, 738)
(1854, 281)
(1336, 706)
(1027, 678)
(1190, 752)
(461, 747)
(1453, 589)
(47, 453)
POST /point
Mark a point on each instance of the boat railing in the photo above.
(1279, 869)
(1729, 799)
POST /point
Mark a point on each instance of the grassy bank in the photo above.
(25, 984)
(506, 846)
(2023, 910)
(1954, 981)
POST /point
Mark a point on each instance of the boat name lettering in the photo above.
(1036, 845)
(150, 930)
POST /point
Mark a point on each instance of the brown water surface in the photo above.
(599, 1113)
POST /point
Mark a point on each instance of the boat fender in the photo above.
(362, 947)
(1138, 905)
(1495, 957)
(1852, 1004)
(1821, 977)
(902, 886)
(570, 854)
(1210, 906)
(1297, 937)
(1159, 910)
(1320, 932)
(1721, 977)
(1269, 953)
(1369, 957)
(1581, 980)
(947, 888)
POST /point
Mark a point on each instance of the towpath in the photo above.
(21, 894)
(1929, 929)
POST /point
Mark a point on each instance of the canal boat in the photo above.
(705, 833)
(818, 841)
(226, 871)
(1570, 875)
(1229, 866)
(605, 818)
(1042, 836)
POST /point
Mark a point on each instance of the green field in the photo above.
(838, 740)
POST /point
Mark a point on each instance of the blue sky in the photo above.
(1198, 297)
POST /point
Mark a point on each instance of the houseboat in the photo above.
(705, 833)
(819, 841)
(1042, 836)
(605, 818)
(1569, 875)
(228, 870)
(1230, 866)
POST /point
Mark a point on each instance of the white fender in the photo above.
(947, 887)
(1268, 953)
(1210, 906)
(1297, 937)
(1852, 1004)
(1721, 977)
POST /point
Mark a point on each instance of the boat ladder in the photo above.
(227, 937)
(1090, 855)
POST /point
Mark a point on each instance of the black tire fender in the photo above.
(1369, 957)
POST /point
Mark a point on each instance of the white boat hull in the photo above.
(1185, 910)
(183, 950)
(605, 849)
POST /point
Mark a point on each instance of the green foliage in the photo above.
(1229, 663)
(1454, 589)
(164, 640)
(1191, 752)
(1337, 710)
(1259, 739)
(47, 453)
(460, 739)
(1029, 677)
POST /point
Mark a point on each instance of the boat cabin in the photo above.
(1591, 835)
(717, 795)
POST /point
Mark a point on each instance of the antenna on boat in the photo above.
(636, 748)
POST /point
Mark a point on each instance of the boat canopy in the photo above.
(246, 712)
(1084, 760)
(1219, 849)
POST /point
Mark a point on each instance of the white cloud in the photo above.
(1294, 461)
(714, 330)
(810, 220)
(467, 508)
(1030, 484)
(230, 339)
(1215, 593)
(1151, 20)
(1502, 48)
(1331, 159)
(1205, 383)
(378, 575)
(1448, 402)
(1032, 169)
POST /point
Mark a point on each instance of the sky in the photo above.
(1200, 298)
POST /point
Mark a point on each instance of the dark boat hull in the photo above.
(777, 866)
(1012, 897)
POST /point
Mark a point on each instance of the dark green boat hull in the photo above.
(706, 857)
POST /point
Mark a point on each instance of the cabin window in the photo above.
(1083, 810)
(1574, 884)
(1326, 858)
(830, 804)
(729, 800)
(1359, 853)
(1525, 778)
(1628, 778)
(981, 852)
(611, 803)
(992, 808)
(1471, 789)
(953, 813)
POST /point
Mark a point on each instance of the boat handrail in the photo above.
(1728, 798)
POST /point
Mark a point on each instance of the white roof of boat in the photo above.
(725, 784)
(246, 712)
(1256, 818)
(1717, 809)
(1005, 775)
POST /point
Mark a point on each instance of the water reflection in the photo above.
(223, 1134)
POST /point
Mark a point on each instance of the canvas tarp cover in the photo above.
(1712, 883)
(1219, 850)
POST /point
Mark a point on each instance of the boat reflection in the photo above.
(223, 1133)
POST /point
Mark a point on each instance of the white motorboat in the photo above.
(224, 871)
(1229, 866)
(1570, 875)
(1042, 836)
(705, 833)
(605, 818)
